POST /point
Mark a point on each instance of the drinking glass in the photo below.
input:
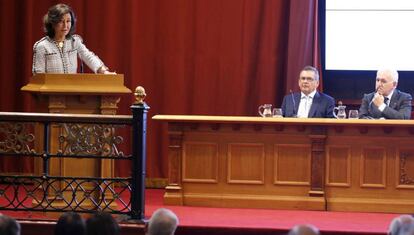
(277, 112)
(353, 114)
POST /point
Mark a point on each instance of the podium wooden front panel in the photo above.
(307, 164)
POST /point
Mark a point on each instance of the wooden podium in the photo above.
(76, 94)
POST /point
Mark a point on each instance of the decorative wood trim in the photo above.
(109, 104)
(339, 129)
(257, 127)
(276, 163)
(156, 183)
(403, 178)
(384, 169)
(348, 171)
(236, 127)
(318, 157)
(184, 158)
(279, 127)
(387, 129)
(174, 154)
(363, 129)
(57, 104)
(229, 165)
(215, 126)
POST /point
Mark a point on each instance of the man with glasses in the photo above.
(308, 103)
(386, 102)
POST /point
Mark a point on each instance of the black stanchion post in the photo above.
(139, 130)
(45, 156)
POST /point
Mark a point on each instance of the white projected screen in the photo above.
(369, 34)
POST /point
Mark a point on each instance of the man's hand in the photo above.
(378, 99)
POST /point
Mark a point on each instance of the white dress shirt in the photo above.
(305, 104)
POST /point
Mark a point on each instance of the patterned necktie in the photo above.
(386, 100)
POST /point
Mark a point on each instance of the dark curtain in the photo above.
(209, 57)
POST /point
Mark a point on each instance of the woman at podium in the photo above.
(57, 52)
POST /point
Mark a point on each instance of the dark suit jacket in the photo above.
(322, 105)
(398, 108)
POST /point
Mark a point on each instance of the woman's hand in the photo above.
(105, 70)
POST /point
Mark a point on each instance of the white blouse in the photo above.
(48, 57)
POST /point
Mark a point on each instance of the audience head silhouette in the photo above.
(70, 223)
(406, 229)
(102, 223)
(162, 222)
(306, 229)
(398, 222)
(8, 225)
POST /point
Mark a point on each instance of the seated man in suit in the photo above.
(309, 103)
(386, 101)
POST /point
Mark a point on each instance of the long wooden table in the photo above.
(290, 163)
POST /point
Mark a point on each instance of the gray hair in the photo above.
(398, 222)
(392, 73)
(406, 229)
(163, 222)
(305, 229)
(313, 69)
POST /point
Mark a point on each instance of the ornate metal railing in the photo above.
(53, 140)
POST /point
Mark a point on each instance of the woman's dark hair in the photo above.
(70, 223)
(102, 223)
(54, 16)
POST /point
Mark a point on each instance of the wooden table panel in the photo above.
(291, 163)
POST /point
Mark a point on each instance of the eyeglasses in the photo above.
(382, 80)
(309, 79)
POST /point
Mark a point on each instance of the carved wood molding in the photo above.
(317, 138)
(363, 129)
(57, 104)
(175, 146)
(387, 129)
(404, 177)
(109, 104)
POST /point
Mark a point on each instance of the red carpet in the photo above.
(201, 220)
(259, 219)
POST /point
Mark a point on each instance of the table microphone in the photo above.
(293, 102)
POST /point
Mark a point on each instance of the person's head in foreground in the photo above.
(162, 222)
(304, 229)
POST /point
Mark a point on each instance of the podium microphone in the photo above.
(293, 102)
(81, 66)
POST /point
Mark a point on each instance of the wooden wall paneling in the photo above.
(318, 157)
(246, 163)
(292, 164)
(173, 192)
(405, 168)
(261, 165)
(200, 162)
(373, 167)
(338, 166)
